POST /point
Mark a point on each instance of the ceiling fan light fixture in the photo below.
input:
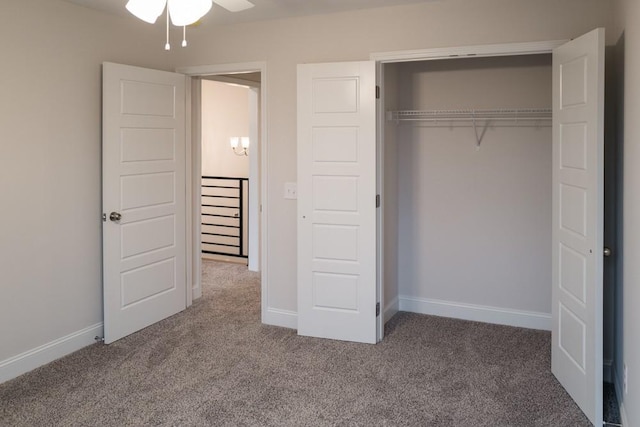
(146, 10)
(186, 12)
(180, 12)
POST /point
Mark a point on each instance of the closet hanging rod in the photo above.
(448, 124)
(514, 114)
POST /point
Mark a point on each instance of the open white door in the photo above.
(337, 201)
(143, 179)
(578, 151)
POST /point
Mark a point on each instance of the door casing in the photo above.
(381, 58)
(194, 172)
(508, 49)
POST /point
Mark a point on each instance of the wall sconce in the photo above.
(240, 145)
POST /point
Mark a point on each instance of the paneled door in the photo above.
(143, 173)
(337, 201)
(578, 151)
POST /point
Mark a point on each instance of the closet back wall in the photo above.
(474, 225)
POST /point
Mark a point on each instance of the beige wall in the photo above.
(50, 235)
(225, 113)
(50, 115)
(627, 38)
(353, 36)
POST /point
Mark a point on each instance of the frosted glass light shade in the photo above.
(240, 145)
(147, 10)
(186, 12)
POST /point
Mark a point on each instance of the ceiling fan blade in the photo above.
(234, 5)
(147, 10)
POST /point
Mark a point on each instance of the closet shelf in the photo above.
(530, 116)
(479, 120)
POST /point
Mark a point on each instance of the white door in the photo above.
(143, 185)
(578, 148)
(337, 201)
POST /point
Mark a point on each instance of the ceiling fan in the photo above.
(181, 12)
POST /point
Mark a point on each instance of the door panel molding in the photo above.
(144, 202)
(578, 219)
(337, 201)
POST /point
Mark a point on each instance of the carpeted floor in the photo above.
(215, 364)
(611, 410)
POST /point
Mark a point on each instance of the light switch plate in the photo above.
(290, 190)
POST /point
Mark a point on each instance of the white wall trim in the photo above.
(380, 212)
(253, 241)
(282, 318)
(478, 313)
(234, 80)
(194, 189)
(225, 258)
(503, 49)
(39, 356)
(620, 396)
(536, 320)
(391, 309)
(208, 70)
(196, 291)
(189, 235)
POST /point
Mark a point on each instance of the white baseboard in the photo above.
(282, 318)
(224, 258)
(391, 309)
(34, 358)
(478, 313)
(617, 383)
(196, 291)
(623, 414)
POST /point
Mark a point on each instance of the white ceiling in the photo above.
(264, 9)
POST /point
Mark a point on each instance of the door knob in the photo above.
(115, 216)
(607, 251)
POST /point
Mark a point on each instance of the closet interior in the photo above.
(467, 160)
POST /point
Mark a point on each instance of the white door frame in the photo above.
(194, 170)
(459, 52)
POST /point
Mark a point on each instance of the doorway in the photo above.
(579, 109)
(468, 158)
(248, 75)
(229, 123)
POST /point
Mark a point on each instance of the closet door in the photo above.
(337, 201)
(578, 147)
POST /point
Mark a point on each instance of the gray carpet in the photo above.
(215, 364)
(611, 410)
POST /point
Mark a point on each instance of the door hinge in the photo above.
(377, 92)
(377, 200)
(377, 309)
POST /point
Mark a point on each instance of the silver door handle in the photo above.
(607, 251)
(115, 216)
